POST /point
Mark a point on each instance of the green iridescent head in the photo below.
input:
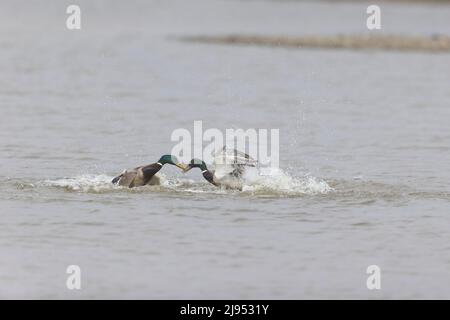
(170, 159)
(197, 163)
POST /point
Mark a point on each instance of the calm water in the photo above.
(364, 142)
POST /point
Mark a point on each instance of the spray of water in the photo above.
(274, 182)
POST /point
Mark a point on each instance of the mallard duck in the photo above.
(146, 175)
(231, 180)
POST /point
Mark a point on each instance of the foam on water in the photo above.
(275, 180)
(83, 183)
(89, 183)
(272, 182)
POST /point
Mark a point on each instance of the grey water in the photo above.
(364, 153)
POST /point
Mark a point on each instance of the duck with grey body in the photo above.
(232, 180)
(146, 175)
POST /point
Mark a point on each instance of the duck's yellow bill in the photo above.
(182, 166)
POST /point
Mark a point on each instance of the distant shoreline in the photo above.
(434, 43)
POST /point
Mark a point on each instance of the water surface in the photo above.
(364, 153)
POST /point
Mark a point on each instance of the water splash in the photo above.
(83, 183)
(275, 182)
(89, 183)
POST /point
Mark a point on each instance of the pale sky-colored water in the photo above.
(364, 146)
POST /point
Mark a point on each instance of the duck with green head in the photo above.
(146, 175)
(232, 180)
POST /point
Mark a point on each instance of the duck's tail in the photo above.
(116, 179)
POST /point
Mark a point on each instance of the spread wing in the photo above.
(232, 162)
(233, 157)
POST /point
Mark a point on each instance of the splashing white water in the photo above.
(270, 182)
(89, 183)
(85, 183)
(275, 180)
